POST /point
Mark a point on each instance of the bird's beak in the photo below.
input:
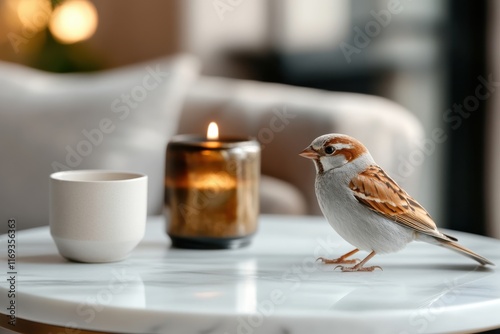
(309, 153)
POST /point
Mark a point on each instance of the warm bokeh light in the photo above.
(73, 21)
(34, 14)
(21, 20)
(213, 131)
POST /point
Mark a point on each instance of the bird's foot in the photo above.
(357, 268)
(337, 261)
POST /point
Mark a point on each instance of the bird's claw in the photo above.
(356, 268)
(339, 260)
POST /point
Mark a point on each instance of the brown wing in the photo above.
(375, 189)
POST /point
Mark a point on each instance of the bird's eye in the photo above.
(329, 150)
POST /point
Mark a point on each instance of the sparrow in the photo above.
(366, 207)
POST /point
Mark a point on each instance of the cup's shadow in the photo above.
(43, 258)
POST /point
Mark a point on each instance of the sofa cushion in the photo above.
(280, 197)
(116, 119)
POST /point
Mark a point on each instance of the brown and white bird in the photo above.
(366, 207)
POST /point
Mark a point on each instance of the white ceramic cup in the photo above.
(97, 215)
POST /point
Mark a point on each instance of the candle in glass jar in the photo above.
(212, 190)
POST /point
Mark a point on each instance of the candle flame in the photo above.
(213, 131)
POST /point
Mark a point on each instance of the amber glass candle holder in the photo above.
(212, 191)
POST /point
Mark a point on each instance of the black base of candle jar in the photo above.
(210, 243)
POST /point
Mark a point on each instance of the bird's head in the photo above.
(333, 151)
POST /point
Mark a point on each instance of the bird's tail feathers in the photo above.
(455, 246)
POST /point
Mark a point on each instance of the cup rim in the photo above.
(97, 176)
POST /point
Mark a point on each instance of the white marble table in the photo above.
(272, 286)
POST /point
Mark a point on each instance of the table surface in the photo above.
(272, 286)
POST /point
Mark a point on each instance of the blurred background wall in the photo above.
(428, 55)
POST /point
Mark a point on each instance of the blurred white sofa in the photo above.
(45, 117)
